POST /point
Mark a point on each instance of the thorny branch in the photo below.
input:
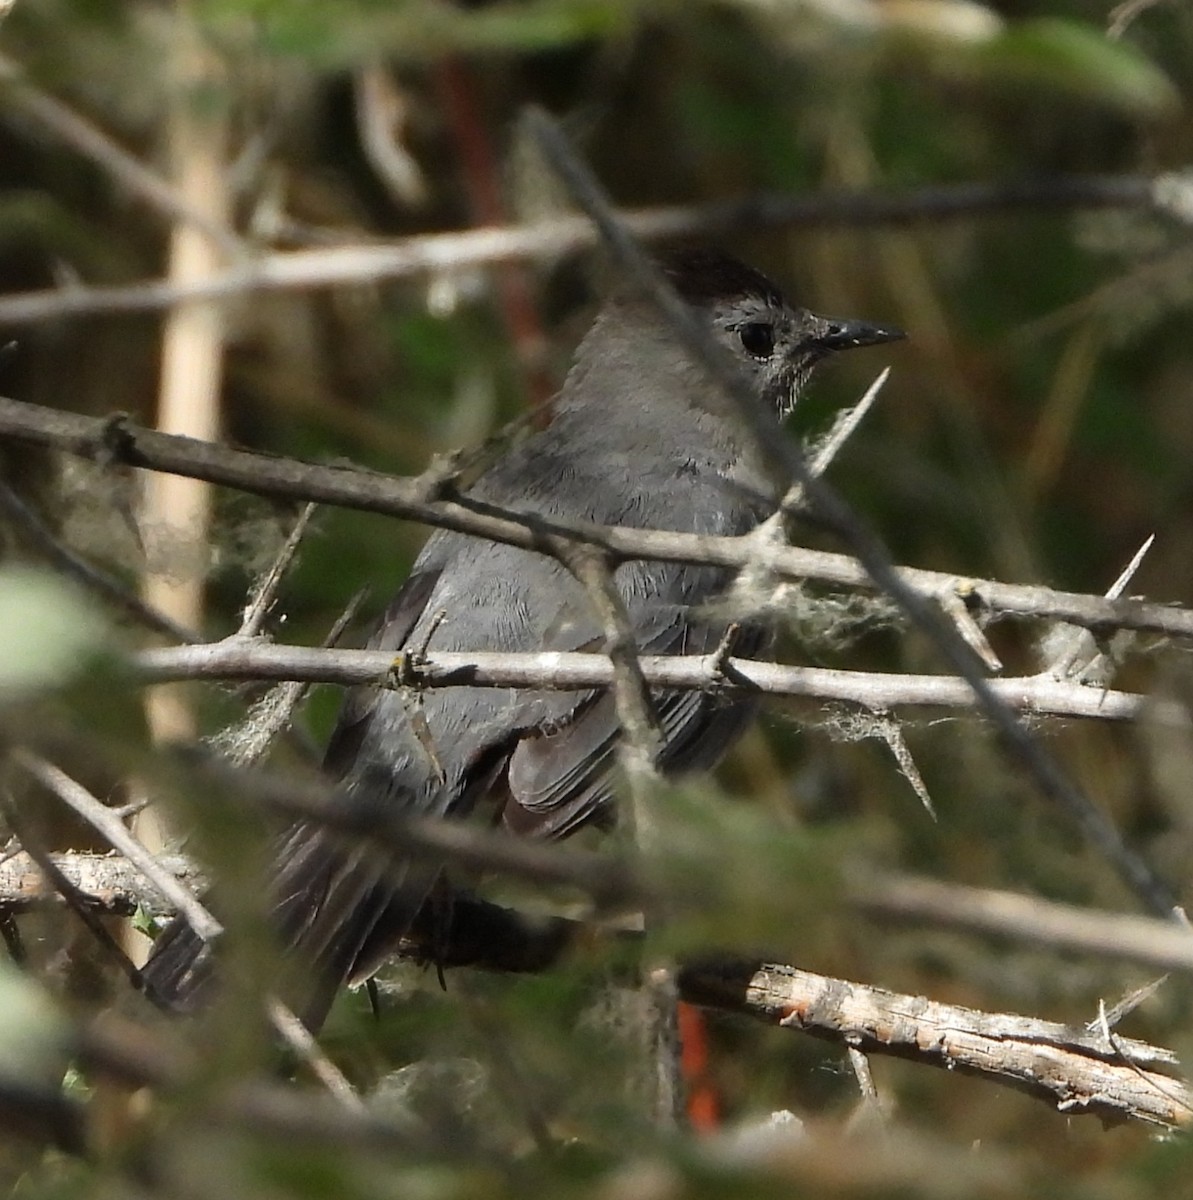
(1162, 945)
(1079, 1073)
(237, 659)
(113, 829)
(121, 441)
(1069, 1067)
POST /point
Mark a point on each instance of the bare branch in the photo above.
(109, 883)
(301, 1041)
(74, 900)
(114, 831)
(419, 498)
(381, 116)
(1123, 15)
(1034, 695)
(635, 708)
(265, 589)
(1074, 1069)
(499, 939)
(430, 253)
(127, 1051)
(74, 566)
(1164, 945)
(609, 882)
(1068, 1067)
(127, 170)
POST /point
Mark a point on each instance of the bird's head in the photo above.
(777, 344)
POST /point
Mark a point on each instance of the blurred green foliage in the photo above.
(1037, 427)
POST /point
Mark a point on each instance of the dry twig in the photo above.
(432, 253)
(1076, 1071)
(1032, 695)
(121, 441)
(1072, 1068)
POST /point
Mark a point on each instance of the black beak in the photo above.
(835, 334)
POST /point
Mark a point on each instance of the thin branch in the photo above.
(300, 1040)
(464, 111)
(63, 123)
(1069, 1067)
(74, 566)
(246, 742)
(1074, 1070)
(510, 1084)
(1162, 945)
(500, 939)
(130, 1053)
(73, 899)
(432, 253)
(1034, 695)
(382, 114)
(638, 751)
(635, 708)
(419, 498)
(610, 883)
(1157, 274)
(1124, 14)
(114, 831)
(265, 589)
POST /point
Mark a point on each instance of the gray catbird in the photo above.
(640, 437)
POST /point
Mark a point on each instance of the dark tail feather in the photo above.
(179, 974)
(338, 913)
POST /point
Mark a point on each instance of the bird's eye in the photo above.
(758, 338)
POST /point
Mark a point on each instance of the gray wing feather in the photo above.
(562, 778)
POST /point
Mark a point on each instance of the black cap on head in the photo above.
(701, 276)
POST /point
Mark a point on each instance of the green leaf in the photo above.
(47, 631)
(32, 1032)
(143, 921)
(1080, 59)
(347, 30)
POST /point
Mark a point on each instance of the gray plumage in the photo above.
(640, 437)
